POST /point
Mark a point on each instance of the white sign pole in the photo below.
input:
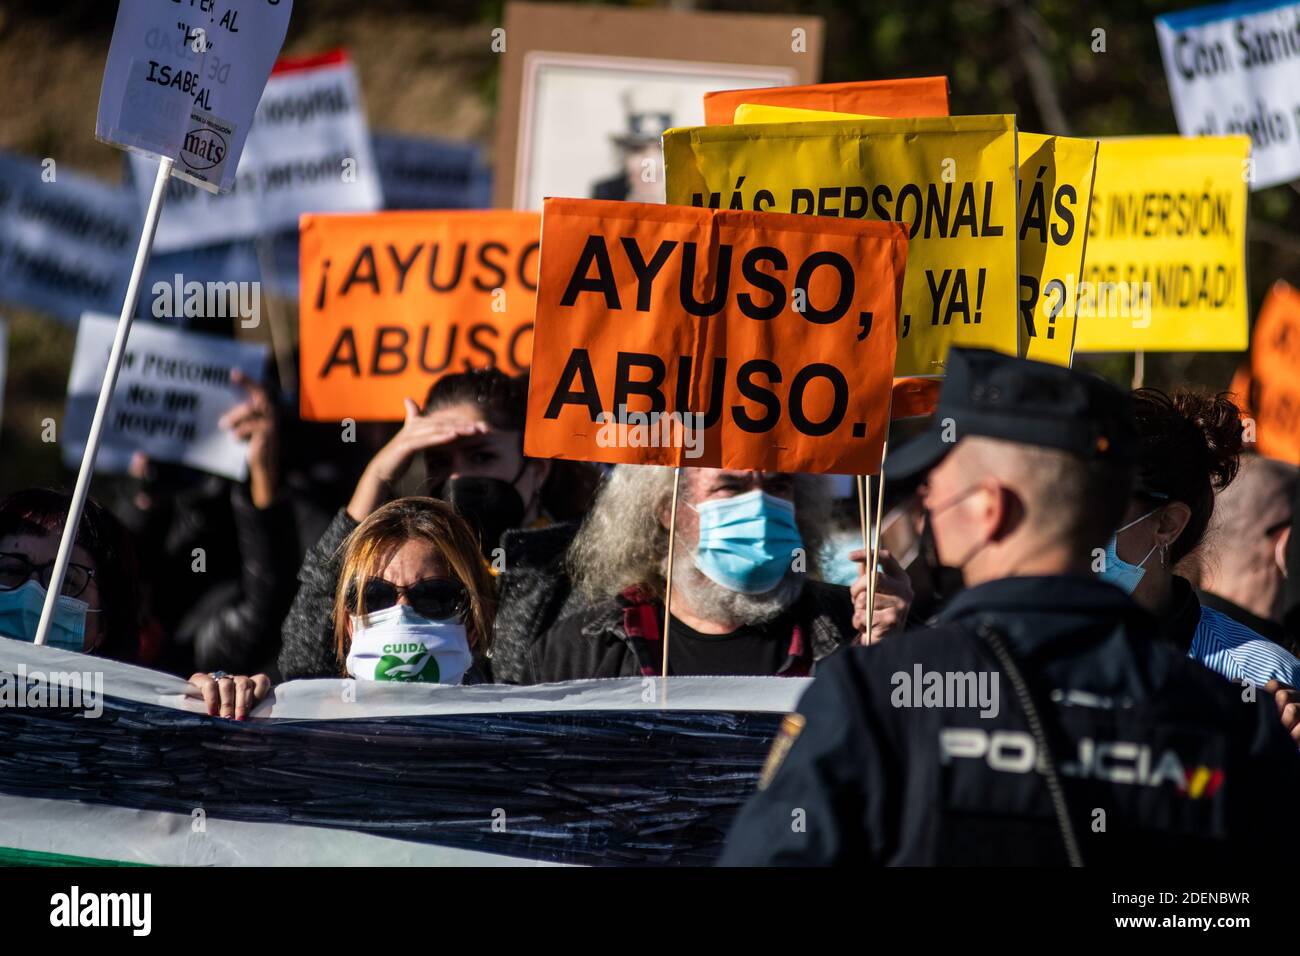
(78, 503)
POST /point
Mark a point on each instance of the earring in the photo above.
(1164, 555)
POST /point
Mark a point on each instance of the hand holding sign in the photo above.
(254, 422)
(892, 598)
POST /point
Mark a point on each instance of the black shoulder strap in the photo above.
(1046, 762)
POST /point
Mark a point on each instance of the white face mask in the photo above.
(397, 644)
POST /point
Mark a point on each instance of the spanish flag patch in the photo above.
(791, 727)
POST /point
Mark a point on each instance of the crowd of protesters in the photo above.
(568, 571)
(440, 536)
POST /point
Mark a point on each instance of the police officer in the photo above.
(1041, 720)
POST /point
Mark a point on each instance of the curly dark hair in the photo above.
(1191, 445)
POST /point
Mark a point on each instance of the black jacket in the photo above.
(235, 626)
(225, 613)
(530, 591)
(307, 637)
(620, 637)
(1160, 759)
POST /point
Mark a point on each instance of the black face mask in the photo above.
(492, 506)
(945, 581)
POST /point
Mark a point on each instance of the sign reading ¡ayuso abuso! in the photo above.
(183, 80)
(309, 151)
(1235, 68)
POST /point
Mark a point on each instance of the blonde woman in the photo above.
(415, 600)
(414, 603)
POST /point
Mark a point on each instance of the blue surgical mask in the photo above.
(20, 613)
(1119, 572)
(834, 558)
(747, 542)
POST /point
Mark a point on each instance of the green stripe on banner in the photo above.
(11, 857)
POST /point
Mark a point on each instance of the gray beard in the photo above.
(733, 609)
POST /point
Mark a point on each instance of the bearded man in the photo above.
(745, 599)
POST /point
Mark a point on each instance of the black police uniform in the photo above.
(1102, 743)
(1160, 759)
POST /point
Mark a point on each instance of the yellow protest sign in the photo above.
(1166, 263)
(1055, 189)
(950, 180)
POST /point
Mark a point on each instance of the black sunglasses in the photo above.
(438, 599)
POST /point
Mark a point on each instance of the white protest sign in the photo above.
(66, 240)
(184, 77)
(1235, 68)
(309, 151)
(173, 388)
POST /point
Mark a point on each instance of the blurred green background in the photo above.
(428, 69)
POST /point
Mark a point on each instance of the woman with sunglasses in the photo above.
(1190, 448)
(413, 603)
(414, 599)
(523, 512)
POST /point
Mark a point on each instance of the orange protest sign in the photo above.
(1239, 389)
(677, 335)
(915, 397)
(1270, 391)
(901, 99)
(391, 302)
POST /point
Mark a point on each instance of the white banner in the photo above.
(153, 781)
(183, 80)
(325, 698)
(67, 241)
(1235, 68)
(173, 389)
(309, 151)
